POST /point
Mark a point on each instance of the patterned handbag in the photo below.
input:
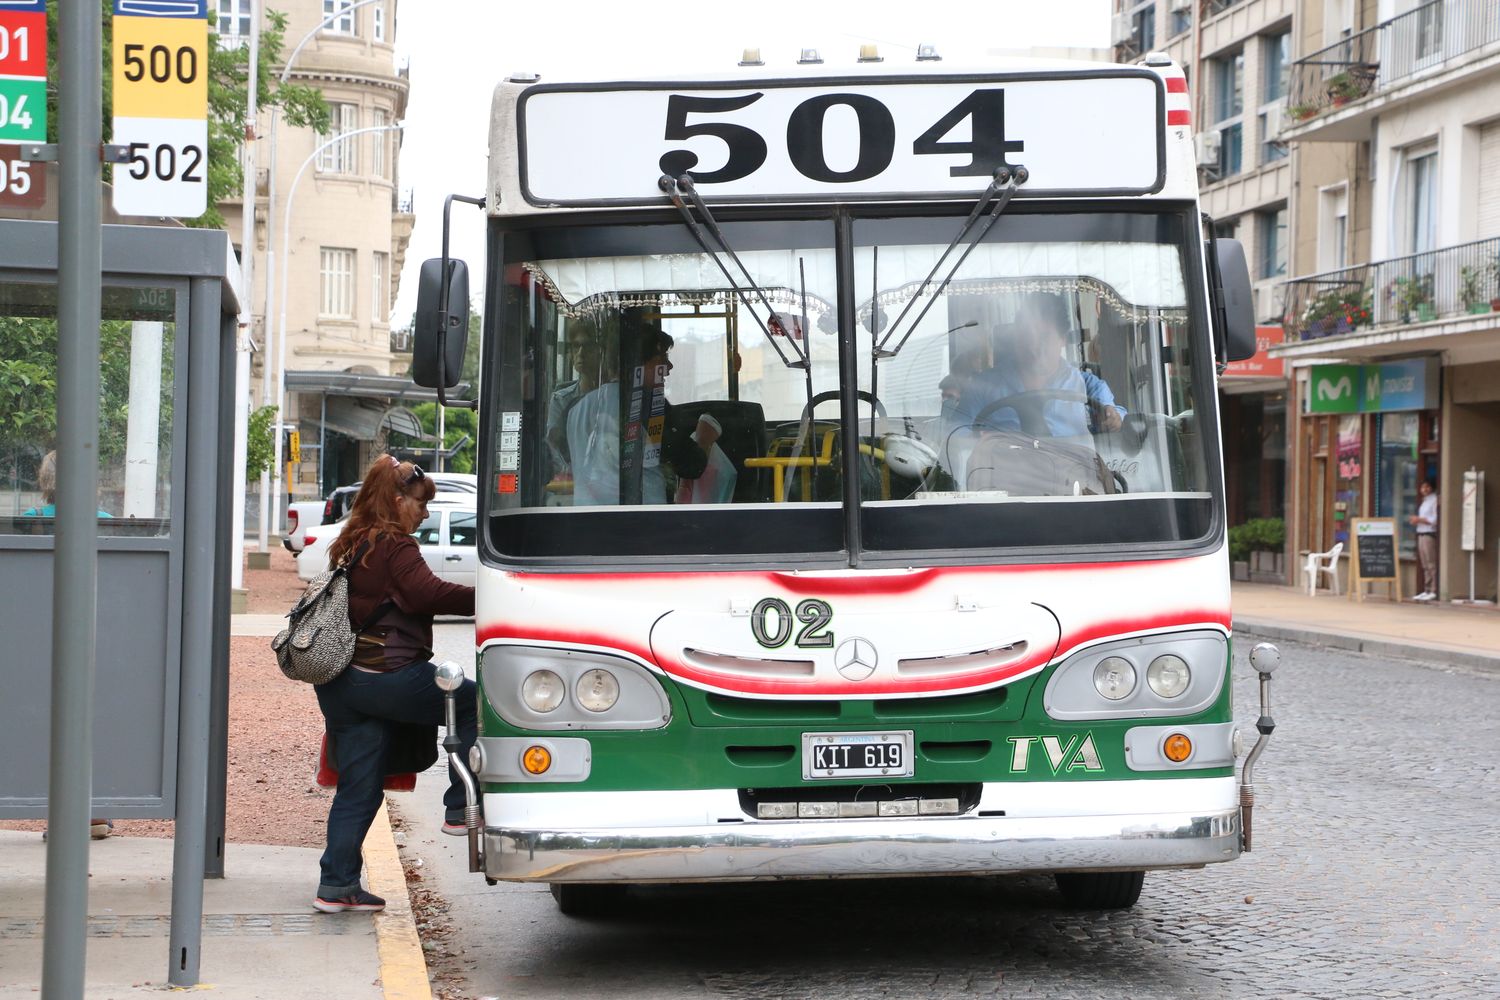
(317, 645)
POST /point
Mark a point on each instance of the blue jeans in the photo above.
(358, 707)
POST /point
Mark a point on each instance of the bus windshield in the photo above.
(1040, 394)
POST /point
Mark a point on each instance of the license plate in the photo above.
(857, 755)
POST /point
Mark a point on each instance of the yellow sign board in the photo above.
(294, 446)
(161, 67)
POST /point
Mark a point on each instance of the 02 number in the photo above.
(165, 163)
(771, 623)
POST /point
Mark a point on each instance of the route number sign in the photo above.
(161, 107)
(23, 99)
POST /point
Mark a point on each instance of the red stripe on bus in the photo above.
(1176, 84)
(1179, 118)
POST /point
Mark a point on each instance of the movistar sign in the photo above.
(1380, 388)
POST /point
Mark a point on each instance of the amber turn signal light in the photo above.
(536, 760)
(1177, 748)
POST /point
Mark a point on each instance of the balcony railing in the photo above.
(1390, 53)
(400, 341)
(1418, 288)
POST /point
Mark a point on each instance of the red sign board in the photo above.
(23, 184)
(1260, 365)
(23, 39)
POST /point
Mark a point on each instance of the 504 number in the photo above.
(771, 623)
(985, 110)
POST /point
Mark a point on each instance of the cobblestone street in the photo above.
(1371, 878)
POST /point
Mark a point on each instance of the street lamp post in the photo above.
(286, 235)
(266, 502)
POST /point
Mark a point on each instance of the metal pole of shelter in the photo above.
(76, 562)
(195, 695)
(240, 444)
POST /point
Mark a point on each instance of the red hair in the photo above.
(376, 509)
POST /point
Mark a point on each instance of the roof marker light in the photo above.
(869, 53)
(751, 57)
(809, 57)
(927, 52)
(1157, 59)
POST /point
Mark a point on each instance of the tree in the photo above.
(260, 442)
(458, 422)
(228, 86)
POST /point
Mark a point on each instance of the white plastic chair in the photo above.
(1323, 563)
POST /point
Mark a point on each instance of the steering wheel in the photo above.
(1028, 406)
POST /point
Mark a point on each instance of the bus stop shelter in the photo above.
(166, 354)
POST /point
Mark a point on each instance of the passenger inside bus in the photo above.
(583, 354)
(653, 443)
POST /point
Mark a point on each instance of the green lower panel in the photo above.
(999, 736)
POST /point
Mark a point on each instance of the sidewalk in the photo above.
(1462, 635)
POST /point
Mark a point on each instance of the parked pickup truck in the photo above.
(300, 516)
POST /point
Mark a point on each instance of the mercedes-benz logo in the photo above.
(855, 658)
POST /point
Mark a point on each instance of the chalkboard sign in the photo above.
(1375, 554)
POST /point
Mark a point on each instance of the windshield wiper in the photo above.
(681, 191)
(1002, 188)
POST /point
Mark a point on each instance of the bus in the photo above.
(852, 499)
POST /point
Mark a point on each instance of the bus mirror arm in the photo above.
(449, 677)
(1265, 658)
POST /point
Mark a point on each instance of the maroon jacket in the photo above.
(393, 571)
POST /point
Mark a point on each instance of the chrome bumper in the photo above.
(692, 836)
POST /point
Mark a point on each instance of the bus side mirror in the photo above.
(440, 331)
(1238, 335)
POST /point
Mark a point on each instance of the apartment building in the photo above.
(337, 229)
(1237, 55)
(1393, 299)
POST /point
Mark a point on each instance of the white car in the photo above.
(446, 537)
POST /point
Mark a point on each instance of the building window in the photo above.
(344, 23)
(1275, 50)
(1229, 108)
(340, 157)
(1181, 19)
(233, 24)
(1226, 229)
(337, 283)
(1270, 235)
(1143, 26)
(378, 141)
(1333, 228)
(1421, 187)
(377, 287)
(378, 31)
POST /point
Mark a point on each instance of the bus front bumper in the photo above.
(690, 836)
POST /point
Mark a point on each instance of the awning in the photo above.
(363, 422)
(389, 388)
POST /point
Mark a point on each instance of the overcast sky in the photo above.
(459, 50)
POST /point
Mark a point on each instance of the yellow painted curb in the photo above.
(403, 967)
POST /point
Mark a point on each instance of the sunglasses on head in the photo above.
(416, 475)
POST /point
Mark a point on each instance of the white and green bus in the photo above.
(852, 500)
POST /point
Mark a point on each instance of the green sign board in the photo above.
(23, 110)
(1387, 387)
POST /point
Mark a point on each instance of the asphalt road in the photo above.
(1372, 877)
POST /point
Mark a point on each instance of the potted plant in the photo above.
(1342, 88)
(1412, 298)
(1471, 287)
(1302, 112)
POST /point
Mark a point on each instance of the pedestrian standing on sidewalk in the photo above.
(390, 682)
(1425, 520)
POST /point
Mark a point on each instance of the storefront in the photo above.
(1253, 408)
(1368, 435)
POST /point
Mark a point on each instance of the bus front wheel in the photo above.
(1100, 890)
(585, 900)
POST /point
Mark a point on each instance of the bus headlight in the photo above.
(1114, 678)
(1168, 675)
(556, 688)
(597, 690)
(542, 691)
